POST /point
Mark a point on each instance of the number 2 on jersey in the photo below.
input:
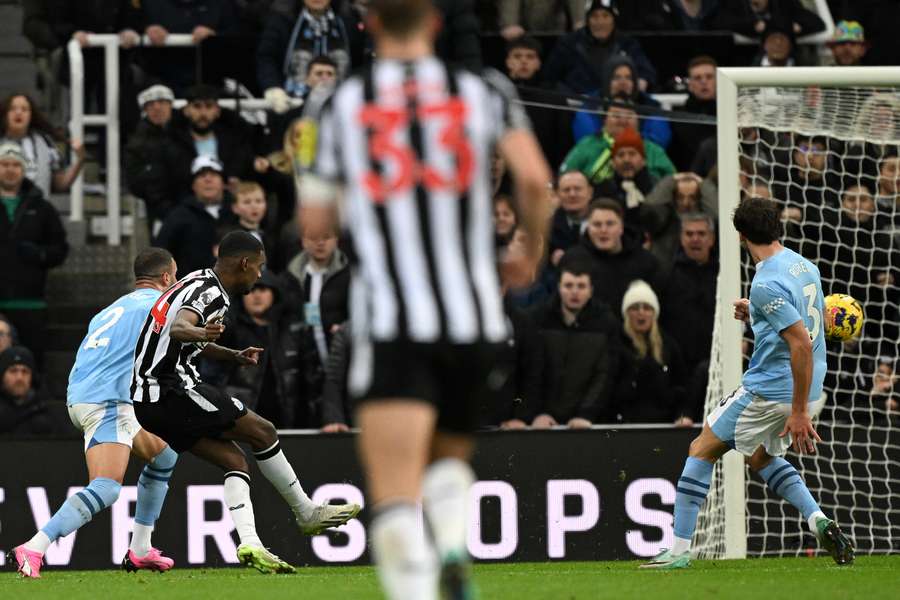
(386, 123)
(811, 293)
(111, 317)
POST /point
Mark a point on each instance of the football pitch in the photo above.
(760, 579)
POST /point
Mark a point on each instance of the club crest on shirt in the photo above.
(206, 298)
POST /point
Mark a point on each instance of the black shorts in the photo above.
(183, 417)
(458, 379)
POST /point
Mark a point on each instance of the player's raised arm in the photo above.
(185, 328)
(799, 424)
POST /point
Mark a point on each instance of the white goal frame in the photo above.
(728, 80)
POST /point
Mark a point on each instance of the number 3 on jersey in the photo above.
(810, 292)
(407, 171)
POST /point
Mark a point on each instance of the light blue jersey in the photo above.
(785, 289)
(105, 358)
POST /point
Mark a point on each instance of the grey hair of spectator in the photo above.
(692, 217)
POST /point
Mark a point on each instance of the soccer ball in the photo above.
(843, 317)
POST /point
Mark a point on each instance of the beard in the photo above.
(201, 129)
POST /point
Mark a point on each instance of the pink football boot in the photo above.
(29, 562)
(154, 561)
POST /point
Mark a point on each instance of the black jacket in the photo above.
(335, 403)
(579, 361)
(33, 243)
(687, 137)
(235, 140)
(563, 235)
(281, 340)
(646, 391)
(458, 42)
(334, 301)
(32, 417)
(738, 16)
(664, 15)
(49, 24)
(154, 168)
(688, 306)
(612, 273)
(189, 232)
(552, 127)
(523, 360)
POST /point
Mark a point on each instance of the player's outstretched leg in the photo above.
(77, 510)
(152, 487)
(311, 518)
(445, 490)
(783, 479)
(230, 457)
(690, 493)
(394, 445)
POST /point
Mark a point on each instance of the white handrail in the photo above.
(110, 120)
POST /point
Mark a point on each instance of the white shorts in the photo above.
(745, 422)
(109, 423)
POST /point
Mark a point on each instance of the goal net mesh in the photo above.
(828, 155)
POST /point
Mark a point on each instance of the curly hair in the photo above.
(39, 121)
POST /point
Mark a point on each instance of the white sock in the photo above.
(39, 543)
(811, 521)
(402, 558)
(237, 499)
(140, 539)
(445, 498)
(275, 467)
(681, 546)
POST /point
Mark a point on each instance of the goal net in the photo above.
(828, 153)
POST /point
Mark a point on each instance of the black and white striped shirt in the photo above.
(411, 144)
(161, 362)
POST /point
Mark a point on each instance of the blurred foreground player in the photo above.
(172, 402)
(100, 405)
(780, 393)
(404, 152)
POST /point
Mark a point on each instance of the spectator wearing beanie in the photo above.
(577, 60)
(23, 409)
(592, 155)
(650, 387)
(631, 181)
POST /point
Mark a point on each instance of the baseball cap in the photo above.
(204, 162)
(848, 31)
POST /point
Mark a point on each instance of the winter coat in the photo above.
(552, 127)
(154, 168)
(563, 234)
(281, 339)
(541, 16)
(646, 391)
(656, 130)
(579, 362)
(334, 301)
(688, 306)
(288, 43)
(738, 16)
(523, 361)
(32, 244)
(189, 232)
(612, 188)
(570, 64)
(593, 157)
(664, 15)
(335, 403)
(32, 417)
(235, 141)
(661, 220)
(459, 41)
(49, 24)
(687, 137)
(612, 273)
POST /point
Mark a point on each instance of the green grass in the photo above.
(763, 579)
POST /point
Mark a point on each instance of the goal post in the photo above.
(779, 102)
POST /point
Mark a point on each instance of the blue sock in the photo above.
(690, 493)
(153, 485)
(81, 507)
(783, 479)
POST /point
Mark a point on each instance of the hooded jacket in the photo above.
(579, 361)
(571, 66)
(282, 340)
(189, 232)
(612, 273)
(32, 243)
(656, 130)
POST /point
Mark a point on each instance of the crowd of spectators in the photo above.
(616, 327)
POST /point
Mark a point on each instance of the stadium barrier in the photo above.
(555, 495)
